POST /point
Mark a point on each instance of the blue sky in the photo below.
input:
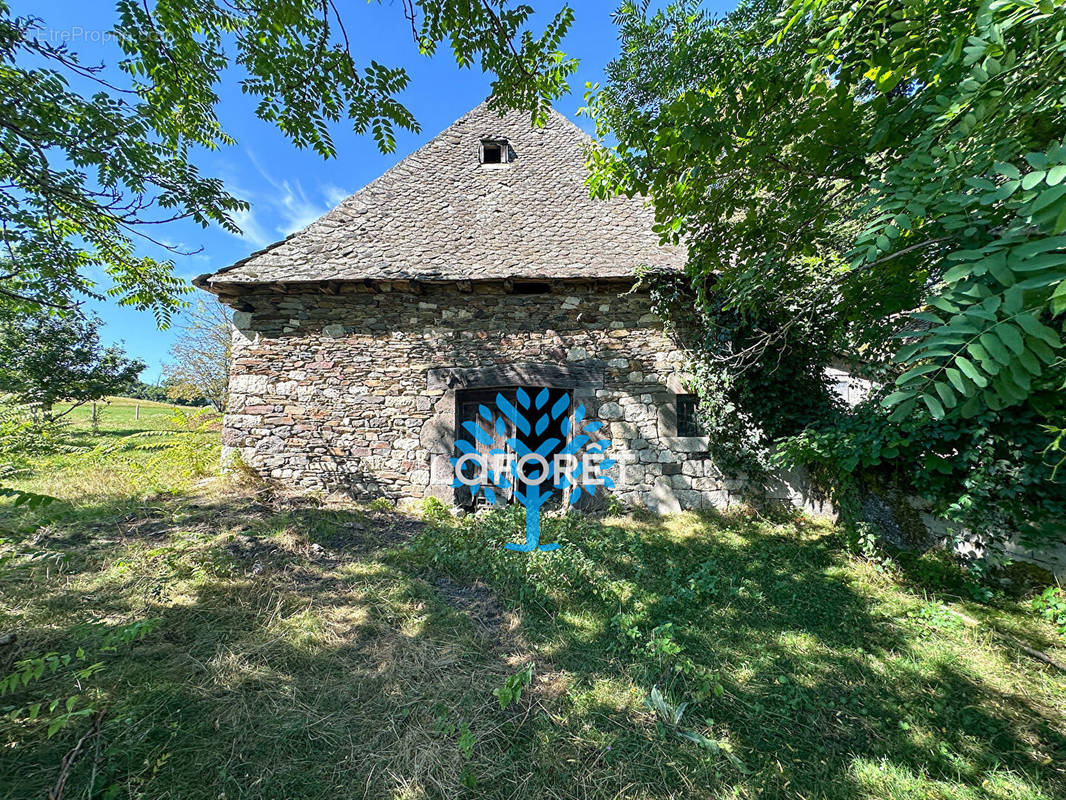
(288, 188)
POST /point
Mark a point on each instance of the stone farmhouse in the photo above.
(476, 265)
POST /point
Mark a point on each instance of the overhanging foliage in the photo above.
(87, 176)
(911, 154)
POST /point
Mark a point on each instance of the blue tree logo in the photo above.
(529, 451)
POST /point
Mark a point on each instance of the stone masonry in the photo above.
(355, 391)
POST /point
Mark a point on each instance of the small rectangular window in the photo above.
(494, 151)
(687, 421)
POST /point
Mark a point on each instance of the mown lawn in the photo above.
(234, 644)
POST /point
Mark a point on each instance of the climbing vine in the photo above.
(766, 403)
(759, 378)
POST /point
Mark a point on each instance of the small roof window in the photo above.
(494, 151)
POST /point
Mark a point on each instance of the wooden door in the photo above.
(468, 407)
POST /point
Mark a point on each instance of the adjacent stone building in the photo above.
(478, 264)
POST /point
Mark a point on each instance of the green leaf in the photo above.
(1047, 261)
(908, 351)
(1030, 362)
(1055, 175)
(1011, 337)
(964, 270)
(916, 372)
(1007, 170)
(957, 380)
(1041, 281)
(1040, 347)
(903, 410)
(995, 348)
(1047, 198)
(1034, 327)
(1034, 178)
(1004, 385)
(966, 255)
(946, 395)
(944, 304)
(997, 265)
(934, 406)
(971, 407)
(1058, 298)
(1037, 246)
(970, 371)
(895, 398)
(1013, 300)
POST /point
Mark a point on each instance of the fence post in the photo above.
(136, 410)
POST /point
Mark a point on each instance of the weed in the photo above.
(935, 616)
(668, 720)
(435, 511)
(511, 690)
(1052, 604)
(615, 506)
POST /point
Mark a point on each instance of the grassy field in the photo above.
(138, 448)
(219, 641)
(125, 415)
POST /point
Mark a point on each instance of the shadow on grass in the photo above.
(280, 665)
(323, 652)
(819, 675)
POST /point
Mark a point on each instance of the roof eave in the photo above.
(230, 292)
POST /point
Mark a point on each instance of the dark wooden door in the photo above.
(469, 405)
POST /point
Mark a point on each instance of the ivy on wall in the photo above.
(759, 378)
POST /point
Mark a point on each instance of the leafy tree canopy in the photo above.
(921, 142)
(46, 360)
(84, 177)
(911, 153)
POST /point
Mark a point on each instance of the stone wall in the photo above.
(355, 391)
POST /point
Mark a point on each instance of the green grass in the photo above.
(124, 459)
(124, 415)
(306, 650)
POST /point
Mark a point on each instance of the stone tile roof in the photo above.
(440, 215)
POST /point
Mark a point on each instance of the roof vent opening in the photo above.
(494, 151)
(532, 287)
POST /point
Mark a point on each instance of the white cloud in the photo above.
(334, 194)
(296, 209)
(284, 210)
(251, 231)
